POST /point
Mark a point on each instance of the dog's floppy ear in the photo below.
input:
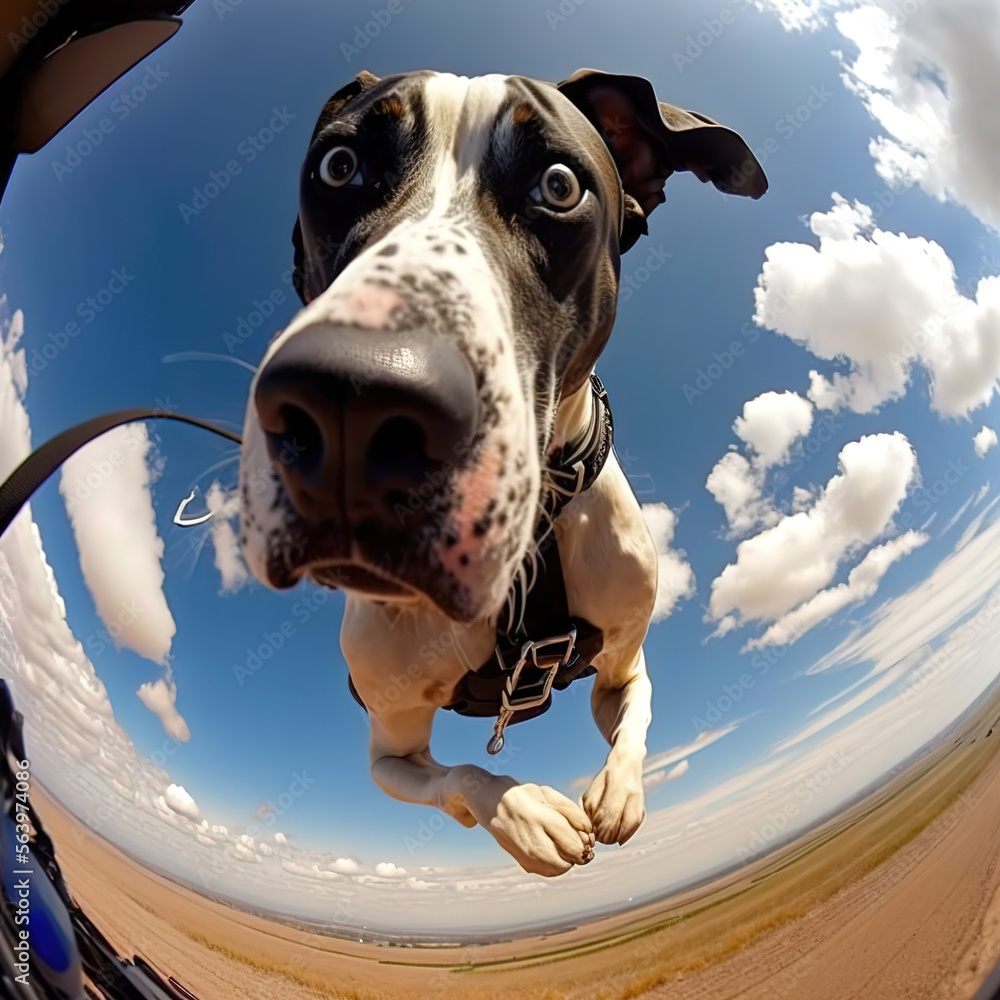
(364, 81)
(649, 140)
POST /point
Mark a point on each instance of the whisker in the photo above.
(218, 465)
(207, 356)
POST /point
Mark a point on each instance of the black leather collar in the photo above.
(570, 471)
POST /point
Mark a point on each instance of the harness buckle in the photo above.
(512, 703)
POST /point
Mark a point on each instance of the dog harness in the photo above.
(542, 647)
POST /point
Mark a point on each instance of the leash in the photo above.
(43, 461)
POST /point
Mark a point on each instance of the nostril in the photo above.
(397, 453)
(299, 443)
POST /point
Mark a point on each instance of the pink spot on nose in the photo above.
(477, 487)
(370, 307)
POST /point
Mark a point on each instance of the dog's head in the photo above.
(457, 250)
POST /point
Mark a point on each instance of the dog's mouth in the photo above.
(352, 576)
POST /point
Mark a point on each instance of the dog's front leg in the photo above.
(539, 827)
(615, 800)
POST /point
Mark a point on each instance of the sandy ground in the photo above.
(924, 925)
(811, 922)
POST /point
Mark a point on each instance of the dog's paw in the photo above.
(616, 801)
(542, 830)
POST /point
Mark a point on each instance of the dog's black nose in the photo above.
(356, 419)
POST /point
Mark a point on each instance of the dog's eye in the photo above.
(558, 187)
(339, 166)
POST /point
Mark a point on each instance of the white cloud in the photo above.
(160, 698)
(882, 681)
(898, 628)
(180, 801)
(345, 866)
(771, 423)
(228, 557)
(661, 761)
(930, 81)
(726, 625)
(79, 747)
(280, 838)
(983, 490)
(738, 487)
(65, 704)
(984, 440)
(769, 426)
(654, 770)
(862, 582)
(661, 777)
(799, 15)
(926, 72)
(957, 516)
(885, 302)
(786, 565)
(675, 579)
(106, 485)
(972, 529)
(388, 870)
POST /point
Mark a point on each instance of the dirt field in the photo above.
(898, 897)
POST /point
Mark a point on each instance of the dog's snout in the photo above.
(355, 419)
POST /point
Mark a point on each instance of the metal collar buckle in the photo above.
(512, 704)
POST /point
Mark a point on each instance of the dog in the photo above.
(457, 253)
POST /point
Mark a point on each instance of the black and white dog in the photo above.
(458, 249)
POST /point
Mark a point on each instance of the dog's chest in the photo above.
(405, 657)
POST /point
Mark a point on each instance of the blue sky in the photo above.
(186, 280)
